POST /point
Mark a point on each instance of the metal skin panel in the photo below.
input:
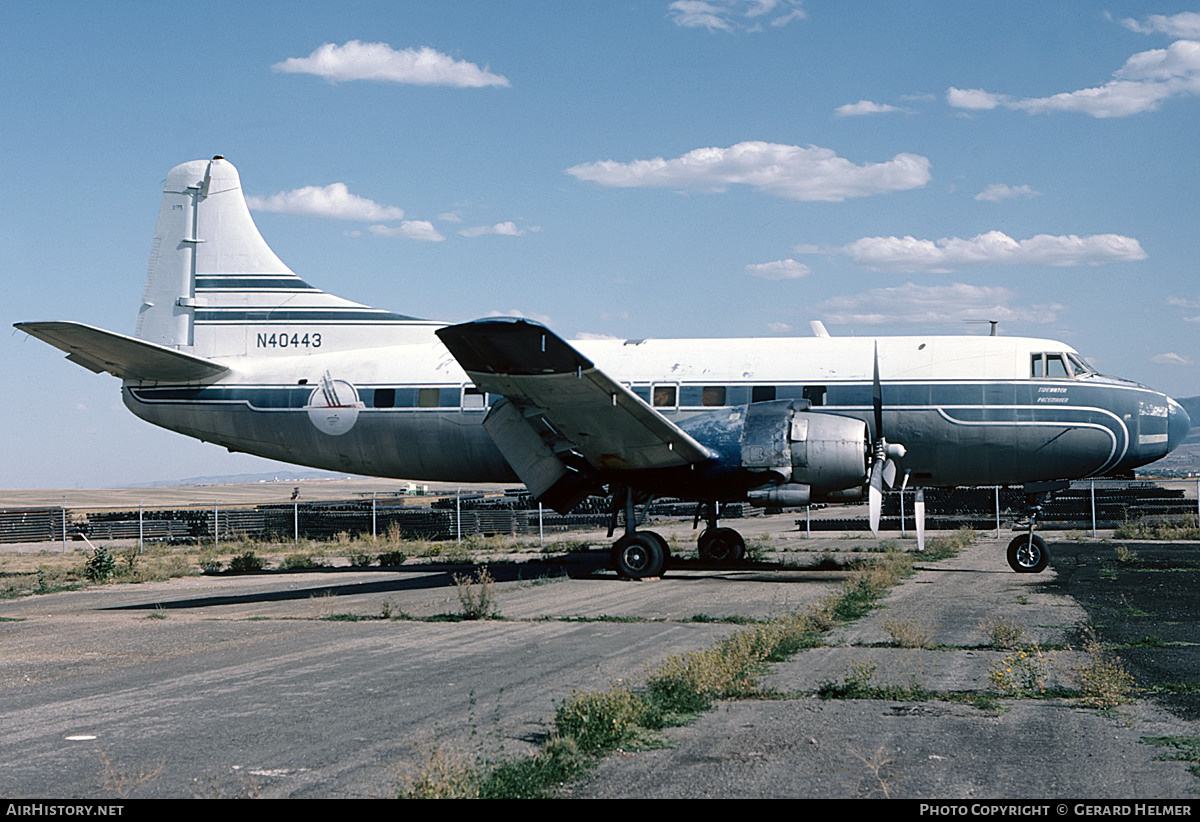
(232, 347)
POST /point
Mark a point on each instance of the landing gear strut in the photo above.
(638, 554)
(1028, 554)
(715, 544)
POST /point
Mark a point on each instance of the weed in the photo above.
(1104, 681)
(600, 721)
(300, 562)
(246, 563)
(390, 559)
(445, 773)
(947, 546)
(1125, 555)
(475, 595)
(908, 633)
(1002, 633)
(876, 764)
(123, 782)
(158, 613)
(100, 566)
(1186, 749)
(359, 559)
(1025, 672)
(1186, 529)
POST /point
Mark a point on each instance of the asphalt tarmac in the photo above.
(266, 686)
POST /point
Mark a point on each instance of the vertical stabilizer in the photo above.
(204, 229)
(216, 289)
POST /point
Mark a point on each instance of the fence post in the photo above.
(541, 533)
(373, 530)
(216, 528)
(64, 529)
(1093, 509)
(141, 533)
(296, 523)
(457, 516)
(997, 512)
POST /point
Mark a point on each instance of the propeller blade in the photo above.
(877, 396)
(875, 497)
(889, 475)
(919, 517)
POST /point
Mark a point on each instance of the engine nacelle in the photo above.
(802, 455)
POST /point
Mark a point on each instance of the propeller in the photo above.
(883, 466)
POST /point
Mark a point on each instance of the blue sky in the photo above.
(626, 169)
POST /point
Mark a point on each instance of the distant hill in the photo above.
(286, 475)
(1192, 406)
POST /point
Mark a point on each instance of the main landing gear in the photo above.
(1028, 554)
(716, 544)
(638, 554)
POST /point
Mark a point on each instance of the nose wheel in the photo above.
(1027, 554)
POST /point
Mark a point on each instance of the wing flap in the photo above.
(564, 396)
(126, 357)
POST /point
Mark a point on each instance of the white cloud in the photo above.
(991, 248)
(378, 61)
(1170, 358)
(779, 328)
(590, 335)
(1188, 305)
(787, 269)
(505, 229)
(794, 172)
(734, 15)
(1184, 24)
(939, 305)
(422, 230)
(333, 201)
(998, 191)
(864, 107)
(1142, 84)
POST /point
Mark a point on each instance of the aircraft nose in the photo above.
(1178, 424)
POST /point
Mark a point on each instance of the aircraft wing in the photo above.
(125, 357)
(561, 409)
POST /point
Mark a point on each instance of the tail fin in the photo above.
(215, 288)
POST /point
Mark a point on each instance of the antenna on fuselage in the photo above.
(994, 323)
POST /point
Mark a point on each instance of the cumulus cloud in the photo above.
(332, 201)
(1146, 80)
(938, 305)
(998, 191)
(504, 229)
(864, 107)
(1170, 358)
(378, 61)
(794, 172)
(787, 269)
(948, 254)
(1185, 24)
(734, 15)
(421, 230)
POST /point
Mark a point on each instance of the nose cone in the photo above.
(1178, 424)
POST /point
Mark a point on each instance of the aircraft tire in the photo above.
(640, 555)
(721, 545)
(1028, 554)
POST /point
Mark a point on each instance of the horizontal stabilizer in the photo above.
(125, 357)
(567, 399)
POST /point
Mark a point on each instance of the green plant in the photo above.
(300, 562)
(100, 566)
(475, 595)
(1104, 682)
(1027, 671)
(359, 559)
(390, 559)
(600, 721)
(1002, 633)
(908, 633)
(245, 563)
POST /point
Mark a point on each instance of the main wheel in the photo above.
(640, 555)
(721, 545)
(1027, 554)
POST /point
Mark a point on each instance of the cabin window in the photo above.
(428, 397)
(385, 398)
(762, 393)
(664, 396)
(815, 394)
(642, 391)
(473, 398)
(713, 395)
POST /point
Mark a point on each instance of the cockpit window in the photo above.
(1058, 366)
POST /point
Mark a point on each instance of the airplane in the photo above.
(232, 347)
